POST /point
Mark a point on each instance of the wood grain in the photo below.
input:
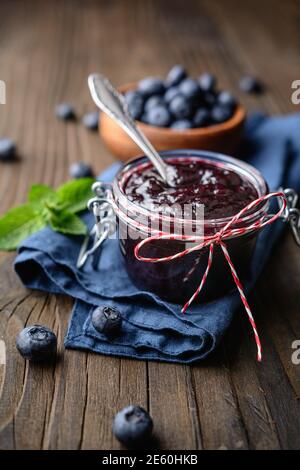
(229, 401)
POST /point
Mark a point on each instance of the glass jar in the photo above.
(176, 280)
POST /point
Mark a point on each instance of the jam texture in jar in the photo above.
(222, 192)
(221, 185)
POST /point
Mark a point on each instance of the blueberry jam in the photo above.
(224, 186)
(222, 191)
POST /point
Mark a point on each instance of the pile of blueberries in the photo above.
(180, 102)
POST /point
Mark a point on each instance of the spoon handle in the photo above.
(111, 102)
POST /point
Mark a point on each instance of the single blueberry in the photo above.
(207, 82)
(209, 99)
(151, 86)
(225, 98)
(106, 319)
(144, 118)
(158, 116)
(7, 149)
(132, 96)
(180, 107)
(80, 170)
(133, 426)
(220, 114)
(190, 88)
(176, 75)
(201, 117)
(171, 93)
(65, 111)
(181, 124)
(251, 85)
(153, 101)
(135, 102)
(37, 343)
(91, 120)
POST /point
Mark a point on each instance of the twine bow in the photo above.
(219, 238)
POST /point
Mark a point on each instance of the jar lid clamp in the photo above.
(105, 223)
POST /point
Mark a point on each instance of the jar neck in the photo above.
(156, 220)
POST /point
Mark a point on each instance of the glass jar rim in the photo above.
(242, 168)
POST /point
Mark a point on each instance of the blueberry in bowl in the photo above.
(158, 116)
(182, 124)
(190, 88)
(207, 82)
(220, 114)
(160, 103)
(180, 107)
(176, 75)
(171, 93)
(178, 112)
(202, 117)
(151, 86)
(153, 101)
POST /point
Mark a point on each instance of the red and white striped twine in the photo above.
(217, 239)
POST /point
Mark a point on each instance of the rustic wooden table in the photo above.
(230, 401)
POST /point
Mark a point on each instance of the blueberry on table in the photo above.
(151, 86)
(207, 82)
(80, 170)
(250, 84)
(133, 426)
(91, 120)
(171, 93)
(37, 343)
(181, 124)
(201, 117)
(225, 98)
(176, 75)
(153, 101)
(190, 88)
(65, 111)
(180, 107)
(221, 114)
(135, 103)
(158, 116)
(7, 150)
(106, 320)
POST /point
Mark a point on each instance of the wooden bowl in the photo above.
(222, 137)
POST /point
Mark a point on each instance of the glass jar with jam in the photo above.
(213, 185)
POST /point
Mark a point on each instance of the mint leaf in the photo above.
(46, 206)
(74, 195)
(65, 222)
(40, 193)
(17, 224)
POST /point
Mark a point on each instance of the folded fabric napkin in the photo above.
(153, 329)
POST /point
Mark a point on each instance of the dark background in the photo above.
(47, 49)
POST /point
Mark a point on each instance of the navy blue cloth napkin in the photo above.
(153, 329)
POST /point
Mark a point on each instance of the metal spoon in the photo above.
(111, 102)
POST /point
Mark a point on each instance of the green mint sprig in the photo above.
(46, 206)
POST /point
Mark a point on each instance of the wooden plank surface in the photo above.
(229, 401)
